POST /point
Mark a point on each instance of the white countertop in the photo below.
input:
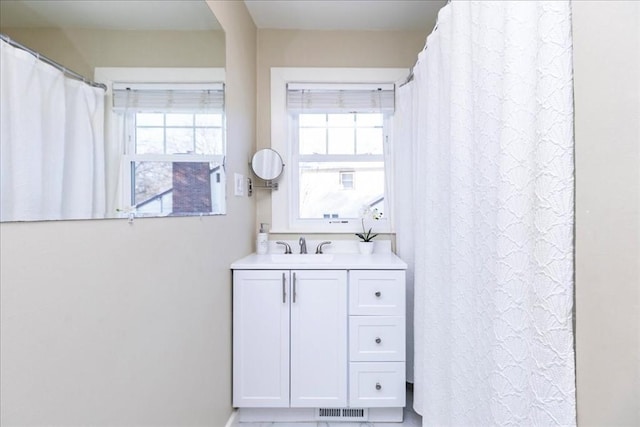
(346, 261)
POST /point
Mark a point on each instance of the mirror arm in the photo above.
(268, 185)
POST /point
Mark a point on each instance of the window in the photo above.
(327, 144)
(346, 180)
(334, 134)
(174, 147)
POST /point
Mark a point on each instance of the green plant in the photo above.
(368, 213)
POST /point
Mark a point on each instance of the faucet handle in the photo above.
(319, 248)
(287, 248)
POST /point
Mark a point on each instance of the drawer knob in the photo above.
(378, 340)
(378, 293)
(378, 386)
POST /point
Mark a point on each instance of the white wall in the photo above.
(107, 323)
(607, 113)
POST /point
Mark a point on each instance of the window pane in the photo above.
(177, 187)
(313, 120)
(369, 120)
(149, 140)
(209, 120)
(149, 119)
(313, 141)
(179, 119)
(321, 192)
(341, 141)
(209, 141)
(370, 140)
(179, 141)
(150, 180)
(340, 120)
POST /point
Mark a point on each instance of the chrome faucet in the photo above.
(303, 245)
(287, 248)
(319, 248)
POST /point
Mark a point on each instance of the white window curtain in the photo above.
(51, 142)
(490, 136)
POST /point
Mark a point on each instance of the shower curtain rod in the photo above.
(53, 63)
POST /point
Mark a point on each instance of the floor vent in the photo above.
(342, 414)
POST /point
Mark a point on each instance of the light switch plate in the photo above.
(238, 187)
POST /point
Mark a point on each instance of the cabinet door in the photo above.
(261, 338)
(318, 338)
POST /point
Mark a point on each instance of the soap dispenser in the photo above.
(262, 242)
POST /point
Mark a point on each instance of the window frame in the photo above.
(131, 157)
(284, 208)
(121, 158)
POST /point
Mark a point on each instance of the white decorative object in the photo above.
(366, 248)
(492, 156)
(262, 241)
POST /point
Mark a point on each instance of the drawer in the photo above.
(377, 292)
(377, 338)
(377, 384)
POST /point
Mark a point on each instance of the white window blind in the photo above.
(340, 98)
(168, 97)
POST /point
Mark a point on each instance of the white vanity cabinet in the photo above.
(319, 338)
(289, 338)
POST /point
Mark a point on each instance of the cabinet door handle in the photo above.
(284, 292)
(294, 287)
(378, 340)
(378, 293)
(378, 386)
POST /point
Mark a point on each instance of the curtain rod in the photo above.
(53, 63)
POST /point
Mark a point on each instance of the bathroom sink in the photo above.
(301, 258)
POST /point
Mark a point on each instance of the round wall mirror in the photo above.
(267, 164)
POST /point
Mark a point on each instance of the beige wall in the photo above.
(607, 113)
(292, 48)
(110, 323)
(81, 50)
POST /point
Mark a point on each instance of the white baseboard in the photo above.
(232, 419)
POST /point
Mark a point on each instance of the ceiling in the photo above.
(345, 15)
(109, 14)
(196, 15)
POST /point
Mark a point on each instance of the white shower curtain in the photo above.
(51, 142)
(491, 148)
